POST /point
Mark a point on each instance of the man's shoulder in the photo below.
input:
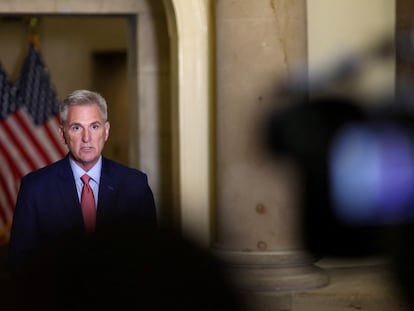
(114, 167)
(49, 170)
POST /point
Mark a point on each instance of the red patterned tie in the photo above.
(88, 205)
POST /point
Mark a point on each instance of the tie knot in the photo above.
(85, 178)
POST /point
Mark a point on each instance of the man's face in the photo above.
(85, 134)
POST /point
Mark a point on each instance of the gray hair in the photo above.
(83, 97)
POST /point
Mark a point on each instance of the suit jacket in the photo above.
(48, 206)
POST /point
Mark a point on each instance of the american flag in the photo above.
(29, 137)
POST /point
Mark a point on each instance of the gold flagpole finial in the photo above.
(33, 27)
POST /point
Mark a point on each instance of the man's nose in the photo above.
(86, 135)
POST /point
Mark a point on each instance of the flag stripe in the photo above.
(6, 197)
(5, 201)
(15, 142)
(27, 128)
(13, 164)
(19, 132)
(53, 150)
(52, 128)
(9, 187)
(47, 145)
(14, 154)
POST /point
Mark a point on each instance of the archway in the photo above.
(190, 30)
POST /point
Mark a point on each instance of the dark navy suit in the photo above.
(48, 206)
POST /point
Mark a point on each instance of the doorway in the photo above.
(109, 75)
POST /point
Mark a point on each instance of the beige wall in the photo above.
(66, 44)
(343, 28)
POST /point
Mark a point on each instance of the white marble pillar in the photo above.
(259, 43)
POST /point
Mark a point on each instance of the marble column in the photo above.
(258, 45)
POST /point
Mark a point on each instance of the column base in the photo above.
(271, 271)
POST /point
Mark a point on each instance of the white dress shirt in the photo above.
(94, 173)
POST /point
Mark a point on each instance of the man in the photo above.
(50, 203)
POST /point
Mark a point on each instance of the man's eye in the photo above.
(95, 126)
(75, 128)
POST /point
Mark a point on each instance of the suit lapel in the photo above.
(67, 192)
(107, 191)
(66, 185)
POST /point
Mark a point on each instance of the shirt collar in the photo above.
(94, 172)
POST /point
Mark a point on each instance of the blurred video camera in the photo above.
(357, 167)
(357, 164)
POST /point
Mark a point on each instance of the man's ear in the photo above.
(62, 134)
(107, 127)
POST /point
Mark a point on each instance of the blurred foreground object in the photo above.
(128, 266)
